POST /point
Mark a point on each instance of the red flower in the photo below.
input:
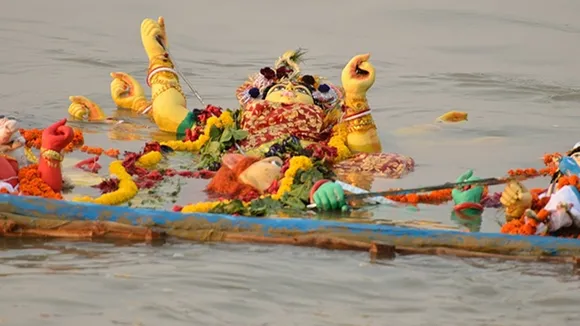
(214, 110)
(193, 135)
(268, 73)
(108, 185)
(89, 165)
(152, 146)
(249, 196)
(283, 72)
(170, 172)
(273, 187)
(322, 151)
(129, 164)
(209, 111)
(285, 166)
(177, 208)
(154, 175)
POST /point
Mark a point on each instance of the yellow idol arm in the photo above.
(169, 106)
(82, 108)
(358, 76)
(127, 93)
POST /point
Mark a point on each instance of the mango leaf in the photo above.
(234, 207)
(310, 176)
(301, 192)
(214, 148)
(263, 206)
(214, 133)
(239, 134)
(226, 135)
(293, 202)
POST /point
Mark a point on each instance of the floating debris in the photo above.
(453, 116)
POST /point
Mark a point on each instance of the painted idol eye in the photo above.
(278, 88)
(276, 163)
(302, 90)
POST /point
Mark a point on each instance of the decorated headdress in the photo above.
(287, 68)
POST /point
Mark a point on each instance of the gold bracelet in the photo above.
(140, 104)
(355, 105)
(361, 124)
(51, 156)
(165, 88)
(159, 61)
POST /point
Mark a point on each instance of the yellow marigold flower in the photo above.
(149, 159)
(126, 191)
(227, 119)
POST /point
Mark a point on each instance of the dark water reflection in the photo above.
(512, 65)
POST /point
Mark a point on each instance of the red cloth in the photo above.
(266, 121)
(9, 170)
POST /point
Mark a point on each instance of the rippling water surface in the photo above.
(512, 65)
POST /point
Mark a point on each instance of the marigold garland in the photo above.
(338, 141)
(224, 120)
(126, 191)
(31, 184)
(434, 197)
(204, 207)
(443, 196)
(296, 163)
(530, 172)
(150, 159)
(551, 159)
(111, 152)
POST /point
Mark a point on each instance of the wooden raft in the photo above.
(12, 225)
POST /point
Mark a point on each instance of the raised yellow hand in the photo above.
(516, 198)
(358, 76)
(82, 108)
(126, 92)
(161, 22)
(154, 37)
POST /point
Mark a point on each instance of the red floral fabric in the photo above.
(266, 121)
(390, 165)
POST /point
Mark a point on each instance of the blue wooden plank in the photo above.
(48, 208)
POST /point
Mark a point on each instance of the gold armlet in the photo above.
(164, 88)
(160, 61)
(160, 66)
(358, 116)
(361, 124)
(355, 105)
(53, 158)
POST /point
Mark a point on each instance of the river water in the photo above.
(512, 65)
